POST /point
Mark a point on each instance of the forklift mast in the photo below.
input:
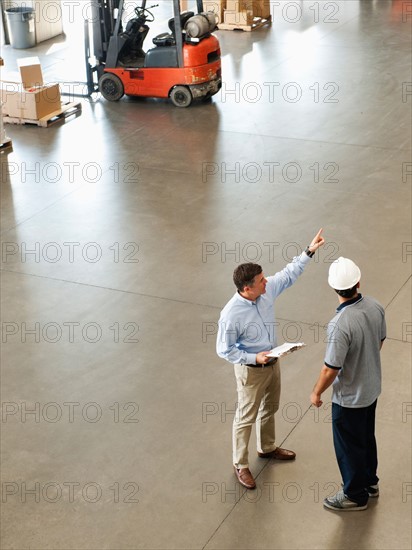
(104, 25)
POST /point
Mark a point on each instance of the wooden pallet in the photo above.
(6, 146)
(67, 110)
(257, 23)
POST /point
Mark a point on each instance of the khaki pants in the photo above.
(258, 390)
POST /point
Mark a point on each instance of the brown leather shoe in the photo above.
(279, 454)
(245, 478)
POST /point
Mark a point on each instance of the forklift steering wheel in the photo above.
(149, 18)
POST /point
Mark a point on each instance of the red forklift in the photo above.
(184, 64)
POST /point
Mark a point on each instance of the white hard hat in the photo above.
(343, 274)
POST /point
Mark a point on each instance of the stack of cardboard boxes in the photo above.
(237, 13)
(244, 12)
(31, 99)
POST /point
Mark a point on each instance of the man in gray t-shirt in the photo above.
(353, 366)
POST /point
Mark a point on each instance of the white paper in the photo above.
(285, 349)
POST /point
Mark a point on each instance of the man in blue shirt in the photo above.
(353, 366)
(246, 334)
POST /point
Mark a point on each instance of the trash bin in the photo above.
(20, 22)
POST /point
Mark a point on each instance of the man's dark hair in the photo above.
(348, 293)
(244, 274)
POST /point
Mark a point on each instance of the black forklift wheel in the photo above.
(181, 96)
(111, 87)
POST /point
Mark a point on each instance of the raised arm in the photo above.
(288, 275)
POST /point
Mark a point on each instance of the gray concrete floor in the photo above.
(128, 444)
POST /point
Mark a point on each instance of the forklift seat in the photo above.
(169, 39)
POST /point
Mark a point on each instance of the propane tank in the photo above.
(201, 24)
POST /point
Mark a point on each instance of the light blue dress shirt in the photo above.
(247, 328)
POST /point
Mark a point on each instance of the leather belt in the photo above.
(262, 365)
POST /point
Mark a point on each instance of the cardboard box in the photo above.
(233, 5)
(239, 5)
(216, 6)
(31, 99)
(260, 8)
(239, 18)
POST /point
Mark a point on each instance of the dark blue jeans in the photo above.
(355, 448)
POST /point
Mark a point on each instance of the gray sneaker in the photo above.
(341, 503)
(373, 491)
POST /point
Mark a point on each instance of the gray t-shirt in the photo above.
(354, 340)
